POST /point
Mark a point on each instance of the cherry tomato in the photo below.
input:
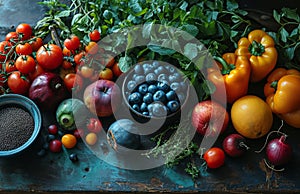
(52, 129)
(36, 43)
(106, 74)
(91, 138)
(86, 71)
(94, 125)
(12, 37)
(78, 133)
(25, 64)
(214, 157)
(109, 60)
(5, 47)
(80, 57)
(24, 49)
(67, 52)
(67, 64)
(72, 43)
(73, 82)
(116, 70)
(95, 35)
(55, 145)
(10, 66)
(24, 30)
(18, 83)
(49, 56)
(92, 48)
(38, 71)
(69, 141)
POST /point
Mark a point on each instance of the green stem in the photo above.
(226, 68)
(256, 49)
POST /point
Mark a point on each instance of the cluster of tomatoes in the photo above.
(24, 56)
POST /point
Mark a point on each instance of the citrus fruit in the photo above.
(251, 116)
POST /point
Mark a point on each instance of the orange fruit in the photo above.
(69, 140)
(251, 116)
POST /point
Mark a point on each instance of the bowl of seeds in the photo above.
(20, 124)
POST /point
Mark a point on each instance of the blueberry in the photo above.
(175, 77)
(145, 113)
(159, 110)
(139, 79)
(73, 157)
(150, 78)
(162, 77)
(173, 105)
(143, 107)
(171, 69)
(160, 96)
(152, 88)
(160, 70)
(135, 98)
(155, 64)
(138, 69)
(143, 88)
(164, 86)
(175, 86)
(131, 85)
(148, 98)
(171, 95)
(136, 107)
(148, 68)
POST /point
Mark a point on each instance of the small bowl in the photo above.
(170, 118)
(27, 104)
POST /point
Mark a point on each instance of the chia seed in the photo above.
(16, 127)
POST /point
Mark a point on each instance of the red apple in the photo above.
(210, 118)
(102, 97)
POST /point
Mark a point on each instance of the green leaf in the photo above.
(64, 13)
(231, 5)
(125, 63)
(75, 18)
(190, 50)
(276, 16)
(184, 6)
(283, 34)
(161, 50)
(191, 29)
(291, 14)
(147, 29)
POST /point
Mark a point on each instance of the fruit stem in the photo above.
(272, 167)
(277, 131)
(243, 145)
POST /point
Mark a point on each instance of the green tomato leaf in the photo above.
(276, 16)
(161, 50)
(283, 34)
(191, 29)
(231, 5)
(64, 13)
(291, 14)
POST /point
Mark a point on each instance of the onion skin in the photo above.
(234, 145)
(278, 151)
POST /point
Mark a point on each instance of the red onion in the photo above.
(234, 145)
(278, 151)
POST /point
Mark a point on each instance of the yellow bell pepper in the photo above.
(236, 72)
(260, 49)
(282, 93)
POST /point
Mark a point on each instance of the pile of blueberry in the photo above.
(155, 89)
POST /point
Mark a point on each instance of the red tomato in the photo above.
(25, 64)
(12, 37)
(18, 83)
(38, 71)
(86, 71)
(24, 30)
(79, 58)
(67, 52)
(95, 35)
(36, 43)
(24, 49)
(106, 74)
(10, 66)
(5, 47)
(49, 56)
(116, 70)
(72, 43)
(92, 48)
(94, 125)
(73, 82)
(214, 157)
(67, 64)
